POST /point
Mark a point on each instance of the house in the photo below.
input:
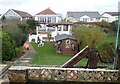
(49, 25)
(66, 44)
(111, 16)
(16, 14)
(47, 32)
(84, 17)
(47, 16)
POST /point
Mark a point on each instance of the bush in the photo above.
(15, 32)
(106, 52)
(8, 47)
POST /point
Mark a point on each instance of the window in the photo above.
(91, 19)
(42, 19)
(68, 44)
(53, 19)
(59, 29)
(49, 19)
(65, 28)
(85, 19)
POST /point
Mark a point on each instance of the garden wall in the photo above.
(26, 74)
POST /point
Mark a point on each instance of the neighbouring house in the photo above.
(47, 32)
(49, 25)
(66, 44)
(16, 14)
(111, 16)
(84, 17)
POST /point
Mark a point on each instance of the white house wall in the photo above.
(11, 15)
(56, 17)
(110, 18)
(53, 33)
(33, 37)
(85, 17)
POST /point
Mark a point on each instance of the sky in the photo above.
(59, 6)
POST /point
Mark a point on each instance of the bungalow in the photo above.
(111, 16)
(16, 14)
(84, 17)
(66, 44)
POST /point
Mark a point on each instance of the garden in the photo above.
(47, 55)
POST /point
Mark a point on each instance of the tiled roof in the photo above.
(22, 13)
(112, 13)
(64, 36)
(80, 14)
(47, 11)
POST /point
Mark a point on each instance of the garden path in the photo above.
(27, 57)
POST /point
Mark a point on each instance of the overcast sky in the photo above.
(59, 6)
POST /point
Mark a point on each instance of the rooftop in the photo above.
(64, 36)
(80, 14)
(22, 13)
(47, 11)
(112, 13)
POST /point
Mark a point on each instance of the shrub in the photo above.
(106, 52)
(15, 32)
(8, 47)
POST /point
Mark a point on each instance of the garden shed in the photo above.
(66, 44)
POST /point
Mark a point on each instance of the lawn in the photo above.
(47, 56)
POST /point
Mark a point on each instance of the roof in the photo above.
(112, 13)
(64, 36)
(80, 14)
(22, 13)
(47, 11)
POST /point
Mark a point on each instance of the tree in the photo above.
(11, 27)
(105, 24)
(96, 39)
(24, 27)
(8, 47)
(114, 25)
(31, 24)
(88, 36)
(3, 18)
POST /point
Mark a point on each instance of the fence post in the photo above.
(17, 74)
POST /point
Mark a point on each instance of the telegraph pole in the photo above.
(0, 41)
(117, 35)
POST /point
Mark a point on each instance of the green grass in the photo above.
(19, 49)
(47, 56)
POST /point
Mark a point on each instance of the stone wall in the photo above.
(25, 74)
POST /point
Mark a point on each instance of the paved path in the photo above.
(27, 57)
(23, 61)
